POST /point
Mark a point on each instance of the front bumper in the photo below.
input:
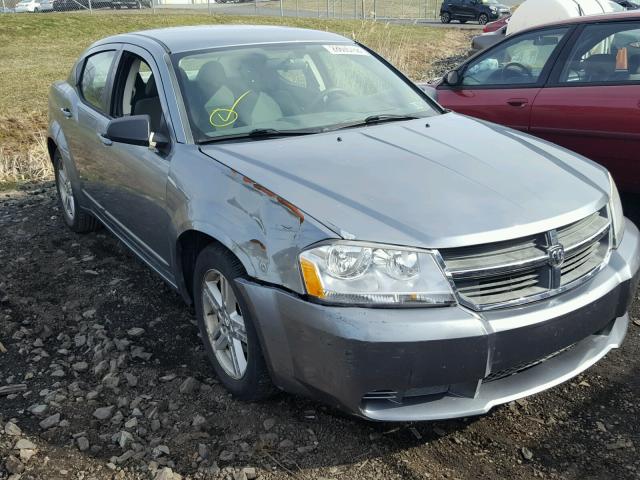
(434, 363)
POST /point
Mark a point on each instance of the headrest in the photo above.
(602, 60)
(211, 74)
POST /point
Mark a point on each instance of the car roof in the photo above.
(202, 37)
(605, 17)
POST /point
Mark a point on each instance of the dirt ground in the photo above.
(116, 385)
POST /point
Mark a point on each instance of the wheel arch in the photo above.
(51, 148)
(188, 246)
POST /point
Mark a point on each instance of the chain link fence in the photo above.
(405, 10)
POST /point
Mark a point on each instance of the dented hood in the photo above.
(443, 181)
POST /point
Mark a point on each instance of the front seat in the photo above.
(600, 67)
(213, 93)
(257, 106)
(634, 67)
(150, 105)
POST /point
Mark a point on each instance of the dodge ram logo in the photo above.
(556, 255)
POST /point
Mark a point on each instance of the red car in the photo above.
(575, 83)
(497, 25)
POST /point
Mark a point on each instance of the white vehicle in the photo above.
(537, 12)
(46, 5)
(28, 6)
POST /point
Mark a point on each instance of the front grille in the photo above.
(522, 270)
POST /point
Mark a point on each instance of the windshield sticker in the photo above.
(223, 117)
(345, 50)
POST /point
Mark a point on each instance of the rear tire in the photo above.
(483, 19)
(226, 327)
(76, 219)
(445, 17)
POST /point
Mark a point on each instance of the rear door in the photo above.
(467, 9)
(455, 7)
(501, 84)
(592, 102)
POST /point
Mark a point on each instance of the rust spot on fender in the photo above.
(295, 211)
(260, 245)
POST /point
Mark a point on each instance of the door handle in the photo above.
(105, 141)
(66, 112)
(518, 102)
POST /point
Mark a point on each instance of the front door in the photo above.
(134, 196)
(592, 102)
(501, 84)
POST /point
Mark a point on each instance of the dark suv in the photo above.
(481, 11)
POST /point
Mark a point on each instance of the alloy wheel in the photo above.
(224, 324)
(66, 192)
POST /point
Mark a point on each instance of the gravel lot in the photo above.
(110, 381)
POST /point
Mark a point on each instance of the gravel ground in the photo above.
(110, 381)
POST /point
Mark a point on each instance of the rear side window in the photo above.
(605, 54)
(94, 79)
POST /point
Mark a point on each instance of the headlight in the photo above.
(615, 213)
(357, 273)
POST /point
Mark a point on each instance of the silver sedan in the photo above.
(340, 234)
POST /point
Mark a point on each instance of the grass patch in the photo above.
(39, 49)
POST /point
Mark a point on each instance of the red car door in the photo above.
(592, 104)
(501, 84)
(509, 106)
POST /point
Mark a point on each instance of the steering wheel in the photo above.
(517, 66)
(323, 97)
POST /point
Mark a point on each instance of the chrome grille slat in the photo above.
(581, 255)
(500, 286)
(496, 257)
(484, 283)
(522, 270)
(583, 231)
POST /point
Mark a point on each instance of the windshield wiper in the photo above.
(380, 118)
(388, 117)
(260, 133)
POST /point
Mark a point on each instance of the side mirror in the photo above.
(452, 77)
(133, 130)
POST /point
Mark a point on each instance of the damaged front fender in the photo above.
(263, 230)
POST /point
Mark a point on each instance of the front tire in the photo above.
(445, 17)
(75, 218)
(483, 19)
(226, 327)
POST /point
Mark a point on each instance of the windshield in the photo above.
(290, 87)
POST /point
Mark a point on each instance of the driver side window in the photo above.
(519, 61)
(136, 91)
